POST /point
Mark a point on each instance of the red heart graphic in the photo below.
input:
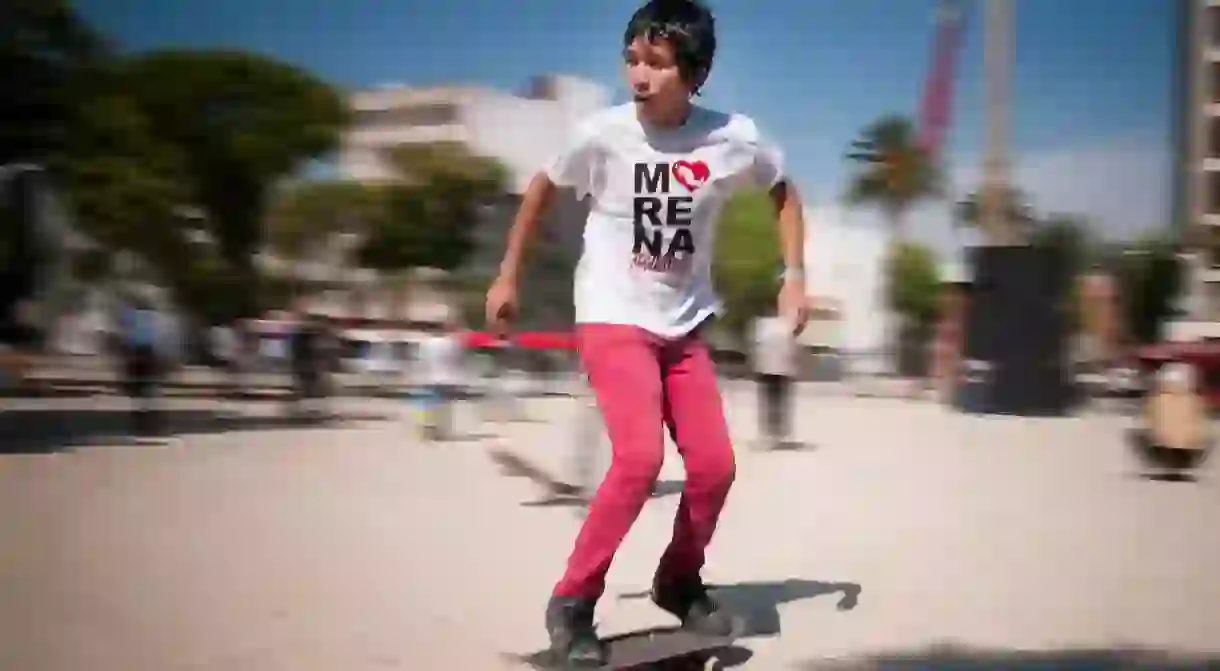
(691, 174)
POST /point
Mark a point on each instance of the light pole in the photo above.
(997, 91)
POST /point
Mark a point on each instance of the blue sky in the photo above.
(1092, 77)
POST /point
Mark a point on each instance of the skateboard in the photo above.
(656, 649)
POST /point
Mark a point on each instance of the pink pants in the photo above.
(643, 382)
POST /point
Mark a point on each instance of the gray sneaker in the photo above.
(574, 641)
(688, 601)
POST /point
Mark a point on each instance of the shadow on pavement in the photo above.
(45, 431)
(965, 658)
(569, 496)
(630, 645)
(757, 603)
(556, 492)
(786, 446)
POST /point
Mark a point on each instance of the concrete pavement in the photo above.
(356, 547)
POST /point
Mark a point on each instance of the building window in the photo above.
(1213, 137)
(1212, 201)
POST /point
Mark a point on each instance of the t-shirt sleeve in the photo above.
(769, 168)
(573, 166)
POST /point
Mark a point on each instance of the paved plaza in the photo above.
(246, 543)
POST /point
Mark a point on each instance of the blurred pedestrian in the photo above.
(774, 360)
(440, 373)
(142, 366)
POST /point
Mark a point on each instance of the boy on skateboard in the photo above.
(658, 170)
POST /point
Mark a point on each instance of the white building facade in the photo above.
(844, 257)
(1197, 165)
(521, 131)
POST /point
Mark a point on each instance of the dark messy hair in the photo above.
(688, 26)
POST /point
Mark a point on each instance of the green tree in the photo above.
(893, 171)
(432, 212)
(913, 284)
(122, 184)
(1149, 279)
(304, 217)
(913, 289)
(241, 123)
(46, 54)
(404, 237)
(747, 259)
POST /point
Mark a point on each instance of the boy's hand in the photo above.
(501, 306)
(792, 304)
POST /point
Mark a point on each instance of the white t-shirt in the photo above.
(774, 346)
(655, 197)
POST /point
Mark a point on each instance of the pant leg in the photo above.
(772, 396)
(694, 414)
(625, 374)
(764, 404)
(140, 374)
(783, 406)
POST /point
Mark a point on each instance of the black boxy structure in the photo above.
(1016, 329)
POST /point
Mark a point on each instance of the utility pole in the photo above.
(997, 91)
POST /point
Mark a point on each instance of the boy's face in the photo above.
(656, 84)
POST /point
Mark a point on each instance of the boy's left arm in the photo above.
(791, 302)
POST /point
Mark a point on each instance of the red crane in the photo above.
(936, 105)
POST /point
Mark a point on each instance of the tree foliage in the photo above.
(1149, 280)
(303, 218)
(893, 171)
(913, 286)
(432, 211)
(46, 54)
(131, 140)
(747, 259)
(241, 123)
(123, 184)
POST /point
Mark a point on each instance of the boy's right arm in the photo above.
(571, 168)
(501, 307)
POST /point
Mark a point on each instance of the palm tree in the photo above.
(894, 171)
